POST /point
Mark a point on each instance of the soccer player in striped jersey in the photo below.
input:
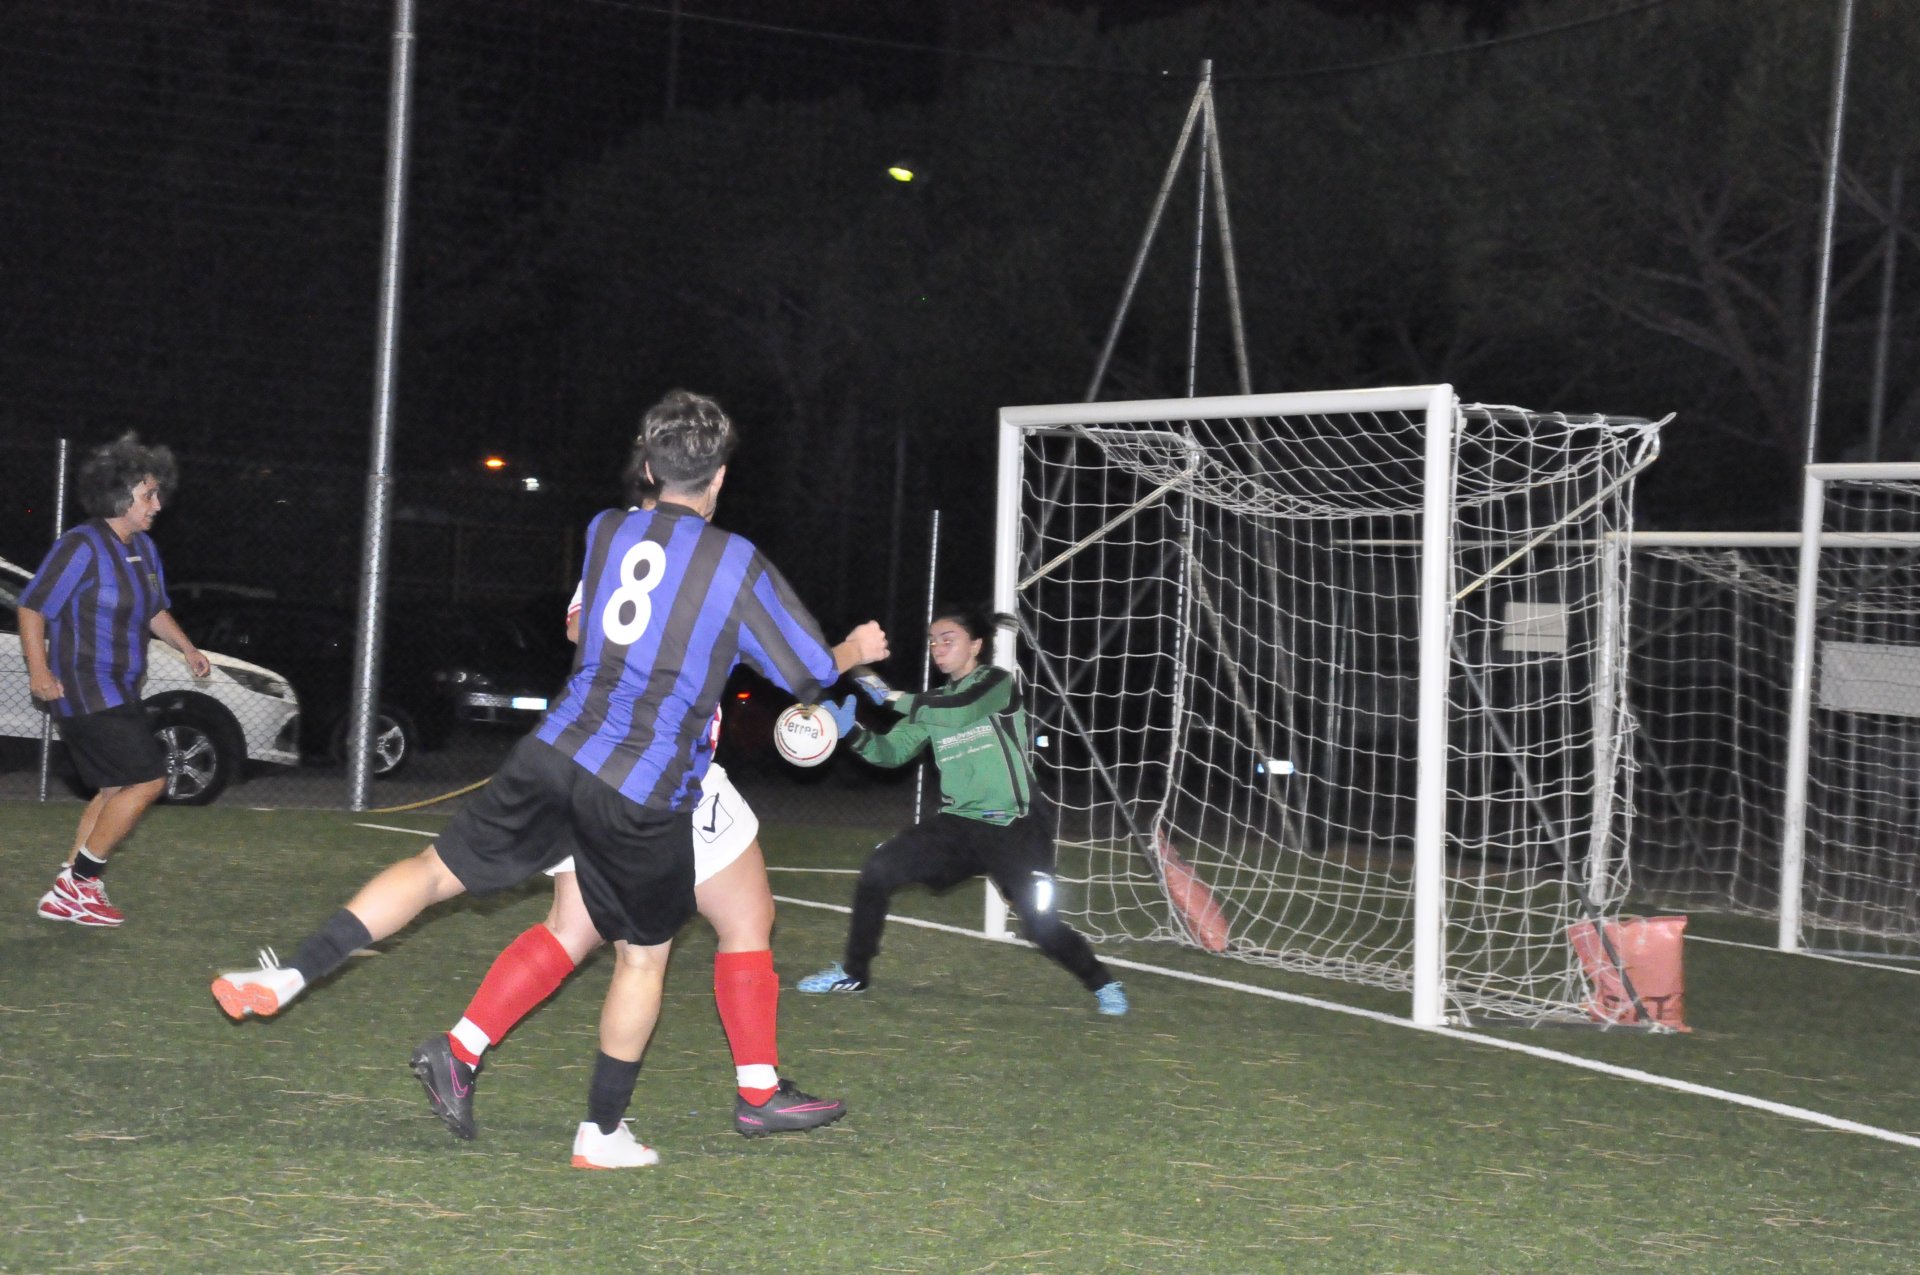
(993, 819)
(612, 773)
(732, 893)
(84, 621)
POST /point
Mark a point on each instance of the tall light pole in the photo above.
(1817, 357)
(373, 560)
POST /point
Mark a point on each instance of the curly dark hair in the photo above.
(687, 437)
(110, 473)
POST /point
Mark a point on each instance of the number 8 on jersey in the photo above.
(629, 608)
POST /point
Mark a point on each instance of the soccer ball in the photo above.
(805, 734)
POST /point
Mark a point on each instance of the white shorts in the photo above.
(724, 825)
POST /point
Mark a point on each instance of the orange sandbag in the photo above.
(1191, 898)
(1649, 947)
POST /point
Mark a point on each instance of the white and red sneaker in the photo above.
(82, 900)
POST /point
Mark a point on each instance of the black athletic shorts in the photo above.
(634, 865)
(945, 850)
(113, 748)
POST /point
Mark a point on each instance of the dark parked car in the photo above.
(438, 666)
(502, 667)
(313, 646)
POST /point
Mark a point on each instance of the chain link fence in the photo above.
(263, 567)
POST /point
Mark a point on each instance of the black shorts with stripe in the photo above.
(113, 748)
(634, 864)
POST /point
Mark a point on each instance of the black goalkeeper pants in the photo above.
(944, 851)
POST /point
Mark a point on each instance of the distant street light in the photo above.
(900, 174)
(494, 462)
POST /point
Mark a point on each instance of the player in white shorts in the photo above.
(724, 828)
(731, 891)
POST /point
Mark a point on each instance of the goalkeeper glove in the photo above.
(841, 713)
(873, 686)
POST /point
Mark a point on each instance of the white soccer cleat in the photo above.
(263, 991)
(593, 1149)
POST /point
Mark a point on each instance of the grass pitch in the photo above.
(997, 1123)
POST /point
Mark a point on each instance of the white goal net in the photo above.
(1757, 791)
(1710, 670)
(1332, 682)
(1850, 862)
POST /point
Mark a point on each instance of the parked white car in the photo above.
(210, 728)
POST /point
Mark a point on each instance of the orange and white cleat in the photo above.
(593, 1149)
(262, 992)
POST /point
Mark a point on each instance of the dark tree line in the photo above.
(1576, 204)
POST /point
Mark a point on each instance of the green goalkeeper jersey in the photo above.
(978, 729)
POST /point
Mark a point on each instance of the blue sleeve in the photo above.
(780, 639)
(165, 602)
(61, 573)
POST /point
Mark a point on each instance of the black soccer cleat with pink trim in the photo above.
(788, 1111)
(449, 1085)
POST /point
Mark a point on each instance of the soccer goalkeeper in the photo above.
(992, 822)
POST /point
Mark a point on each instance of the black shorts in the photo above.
(634, 865)
(113, 748)
(945, 850)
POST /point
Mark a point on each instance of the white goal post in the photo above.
(1332, 682)
(1850, 853)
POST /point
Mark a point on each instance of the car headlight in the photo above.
(259, 683)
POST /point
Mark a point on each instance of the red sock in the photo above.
(528, 971)
(747, 992)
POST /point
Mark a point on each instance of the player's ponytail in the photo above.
(980, 622)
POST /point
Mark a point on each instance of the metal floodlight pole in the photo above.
(1877, 404)
(1817, 357)
(926, 653)
(373, 562)
(1199, 225)
(1211, 177)
(1217, 167)
(1146, 242)
(59, 525)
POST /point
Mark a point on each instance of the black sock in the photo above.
(611, 1091)
(86, 867)
(328, 947)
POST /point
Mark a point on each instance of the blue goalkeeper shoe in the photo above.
(1112, 998)
(832, 979)
(788, 1111)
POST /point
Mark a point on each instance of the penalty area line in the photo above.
(1632, 1074)
(1829, 957)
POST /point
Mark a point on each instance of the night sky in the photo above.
(1582, 205)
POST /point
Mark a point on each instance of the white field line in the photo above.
(1493, 1042)
(1810, 956)
(1634, 1074)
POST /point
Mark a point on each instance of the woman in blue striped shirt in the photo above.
(84, 623)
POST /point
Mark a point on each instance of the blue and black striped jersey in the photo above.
(669, 604)
(98, 596)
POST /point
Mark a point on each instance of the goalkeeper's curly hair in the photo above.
(110, 473)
